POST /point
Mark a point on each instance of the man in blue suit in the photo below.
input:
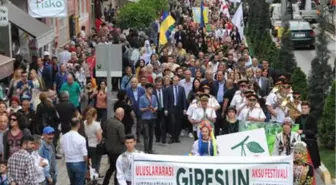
(218, 90)
(175, 107)
(134, 93)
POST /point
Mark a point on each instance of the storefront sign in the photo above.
(249, 143)
(47, 8)
(220, 170)
(3, 16)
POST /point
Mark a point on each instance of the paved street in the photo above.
(172, 149)
(304, 56)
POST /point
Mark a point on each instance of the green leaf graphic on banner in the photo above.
(255, 147)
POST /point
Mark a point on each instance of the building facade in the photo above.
(27, 36)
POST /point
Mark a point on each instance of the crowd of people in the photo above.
(202, 84)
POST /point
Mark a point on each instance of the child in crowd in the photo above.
(3, 173)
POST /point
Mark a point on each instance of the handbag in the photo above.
(101, 148)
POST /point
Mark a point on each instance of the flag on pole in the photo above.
(197, 14)
(224, 8)
(166, 27)
(202, 14)
(238, 20)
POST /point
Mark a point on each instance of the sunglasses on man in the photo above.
(286, 86)
(252, 100)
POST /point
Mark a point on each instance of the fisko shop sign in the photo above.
(47, 8)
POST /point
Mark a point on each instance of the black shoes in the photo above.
(174, 141)
(171, 141)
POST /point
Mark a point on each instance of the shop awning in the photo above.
(6, 66)
(40, 31)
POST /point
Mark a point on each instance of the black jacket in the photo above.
(66, 111)
(46, 116)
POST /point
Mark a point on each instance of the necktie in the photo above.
(175, 99)
(160, 99)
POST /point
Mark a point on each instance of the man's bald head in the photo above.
(119, 113)
(3, 122)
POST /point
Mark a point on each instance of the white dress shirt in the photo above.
(74, 147)
(124, 167)
(186, 85)
(159, 93)
(271, 100)
(39, 169)
(255, 112)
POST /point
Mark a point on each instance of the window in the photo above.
(82, 8)
(62, 22)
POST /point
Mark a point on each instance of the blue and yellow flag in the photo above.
(198, 16)
(166, 27)
(202, 15)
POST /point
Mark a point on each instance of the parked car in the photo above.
(302, 34)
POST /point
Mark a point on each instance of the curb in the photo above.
(325, 174)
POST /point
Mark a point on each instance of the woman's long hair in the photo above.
(90, 115)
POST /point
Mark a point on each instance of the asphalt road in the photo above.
(304, 56)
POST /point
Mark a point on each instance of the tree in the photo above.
(257, 31)
(327, 124)
(320, 77)
(299, 80)
(141, 14)
(287, 61)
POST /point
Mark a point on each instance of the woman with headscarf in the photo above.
(206, 145)
(303, 172)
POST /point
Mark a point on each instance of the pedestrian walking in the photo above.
(74, 147)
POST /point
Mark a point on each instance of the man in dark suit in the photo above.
(175, 106)
(263, 83)
(45, 73)
(218, 90)
(134, 93)
(161, 125)
(308, 131)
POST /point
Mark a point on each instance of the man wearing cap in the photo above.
(284, 141)
(212, 103)
(303, 172)
(297, 103)
(203, 112)
(47, 151)
(238, 98)
(274, 100)
(148, 106)
(251, 112)
(192, 107)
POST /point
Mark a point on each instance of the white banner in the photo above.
(47, 8)
(250, 143)
(195, 170)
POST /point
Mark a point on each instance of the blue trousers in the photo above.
(76, 172)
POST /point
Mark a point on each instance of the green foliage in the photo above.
(287, 61)
(257, 31)
(139, 15)
(320, 77)
(158, 5)
(299, 80)
(327, 124)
